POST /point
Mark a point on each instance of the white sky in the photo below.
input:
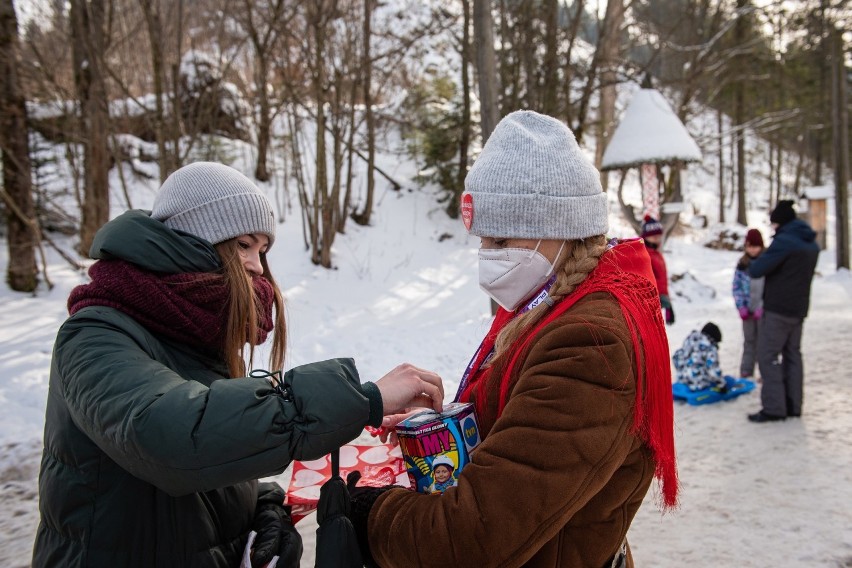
(26, 10)
(753, 495)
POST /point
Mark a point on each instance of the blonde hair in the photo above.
(582, 257)
(244, 312)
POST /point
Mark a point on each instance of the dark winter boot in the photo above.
(791, 412)
(763, 417)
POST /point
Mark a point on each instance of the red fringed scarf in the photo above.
(624, 272)
(189, 308)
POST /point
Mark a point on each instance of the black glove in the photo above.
(670, 315)
(276, 535)
(362, 500)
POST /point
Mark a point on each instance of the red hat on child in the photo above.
(754, 238)
(651, 226)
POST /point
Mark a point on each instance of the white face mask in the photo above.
(512, 275)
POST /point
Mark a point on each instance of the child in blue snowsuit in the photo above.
(697, 361)
(748, 297)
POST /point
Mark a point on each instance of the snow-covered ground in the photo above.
(406, 289)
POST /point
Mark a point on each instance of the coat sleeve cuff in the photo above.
(371, 391)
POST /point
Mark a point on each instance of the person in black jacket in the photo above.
(151, 450)
(788, 266)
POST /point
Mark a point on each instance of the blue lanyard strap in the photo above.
(542, 296)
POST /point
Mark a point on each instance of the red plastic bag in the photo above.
(379, 465)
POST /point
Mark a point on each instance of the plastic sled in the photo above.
(736, 387)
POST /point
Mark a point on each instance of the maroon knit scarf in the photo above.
(189, 308)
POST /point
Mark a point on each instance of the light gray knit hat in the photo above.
(215, 202)
(531, 181)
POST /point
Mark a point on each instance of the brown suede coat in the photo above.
(557, 478)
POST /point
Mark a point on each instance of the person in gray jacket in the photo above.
(788, 266)
(151, 450)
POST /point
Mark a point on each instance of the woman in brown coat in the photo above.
(572, 384)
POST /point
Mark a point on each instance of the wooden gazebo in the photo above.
(650, 137)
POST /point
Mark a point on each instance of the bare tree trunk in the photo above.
(572, 39)
(350, 156)
(21, 272)
(610, 50)
(529, 45)
(263, 25)
(824, 63)
(550, 71)
(733, 160)
(264, 119)
(739, 119)
(779, 163)
(579, 127)
(464, 138)
(486, 70)
(741, 162)
(627, 210)
(800, 164)
(770, 159)
(721, 156)
(840, 130)
(363, 217)
(89, 45)
(673, 193)
(320, 251)
(508, 73)
(176, 124)
(486, 66)
(309, 231)
(780, 96)
(154, 26)
(331, 213)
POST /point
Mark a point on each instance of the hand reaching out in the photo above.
(387, 431)
(408, 386)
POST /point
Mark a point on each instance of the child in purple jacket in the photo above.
(748, 297)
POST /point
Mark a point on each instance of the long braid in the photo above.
(583, 256)
(626, 275)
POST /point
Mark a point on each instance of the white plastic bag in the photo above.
(246, 562)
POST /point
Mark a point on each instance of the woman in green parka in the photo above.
(151, 452)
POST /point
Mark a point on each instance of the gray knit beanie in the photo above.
(214, 202)
(531, 181)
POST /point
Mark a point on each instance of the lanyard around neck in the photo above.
(476, 362)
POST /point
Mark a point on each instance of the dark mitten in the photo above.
(670, 315)
(276, 535)
(362, 500)
(290, 549)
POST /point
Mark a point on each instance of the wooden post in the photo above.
(817, 219)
